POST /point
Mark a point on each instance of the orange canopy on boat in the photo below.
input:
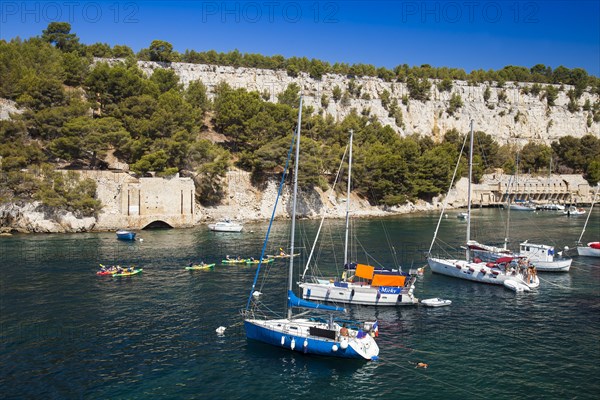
(364, 271)
(388, 280)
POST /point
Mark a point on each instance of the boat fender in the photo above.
(334, 348)
(293, 344)
(282, 340)
(305, 343)
(344, 344)
(352, 293)
(308, 293)
(458, 266)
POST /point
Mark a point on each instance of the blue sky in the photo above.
(470, 34)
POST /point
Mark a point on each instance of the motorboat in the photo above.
(226, 226)
(125, 235)
(542, 256)
(436, 302)
(573, 211)
(516, 286)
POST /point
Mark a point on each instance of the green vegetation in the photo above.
(77, 113)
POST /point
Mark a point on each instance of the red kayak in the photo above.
(106, 272)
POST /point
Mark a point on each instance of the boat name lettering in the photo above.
(389, 290)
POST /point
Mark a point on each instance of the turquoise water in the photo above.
(67, 333)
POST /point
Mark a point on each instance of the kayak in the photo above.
(234, 261)
(106, 270)
(265, 261)
(125, 273)
(282, 255)
(102, 273)
(199, 267)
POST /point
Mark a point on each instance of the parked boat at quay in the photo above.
(522, 205)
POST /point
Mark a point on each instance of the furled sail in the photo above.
(295, 301)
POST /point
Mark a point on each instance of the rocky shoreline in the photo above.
(244, 202)
(36, 218)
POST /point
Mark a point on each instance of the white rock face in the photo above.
(8, 107)
(29, 217)
(246, 203)
(516, 120)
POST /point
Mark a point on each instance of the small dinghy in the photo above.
(516, 286)
(436, 302)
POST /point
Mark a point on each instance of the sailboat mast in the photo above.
(468, 252)
(590, 213)
(294, 197)
(507, 228)
(348, 200)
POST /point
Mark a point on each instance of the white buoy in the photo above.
(141, 240)
(282, 340)
(305, 343)
(344, 344)
(334, 347)
(293, 344)
(220, 330)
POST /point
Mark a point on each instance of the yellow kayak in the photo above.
(265, 261)
(128, 273)
(282, 255)
(234, 261)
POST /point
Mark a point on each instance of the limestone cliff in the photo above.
(508, 115)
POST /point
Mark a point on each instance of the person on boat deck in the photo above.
(344, 330)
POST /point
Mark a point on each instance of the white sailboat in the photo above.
(360, 284)
(303, 333)
(476, 270)
(592, 249)
(542, 257)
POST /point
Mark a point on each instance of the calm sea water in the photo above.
(67, 333)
